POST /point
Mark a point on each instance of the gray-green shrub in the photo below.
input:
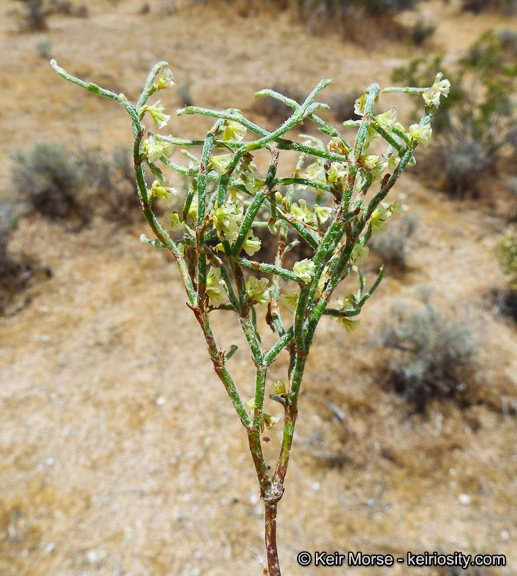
(432, 355)
(47, 180)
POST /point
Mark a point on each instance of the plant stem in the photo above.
(273, 565)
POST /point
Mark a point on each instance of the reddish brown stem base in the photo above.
(273, 565)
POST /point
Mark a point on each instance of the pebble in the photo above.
(464, 499)
(316, 486)
(50, 547)
(505, 535)
(160, 401)
(50, 461)
(45, 338)
(92, 556)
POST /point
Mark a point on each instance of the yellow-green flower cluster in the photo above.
(161, 189)
(215, 287)
(154, 150)
(304, 270)
(349, 324)
(158, 115)
(258, 290)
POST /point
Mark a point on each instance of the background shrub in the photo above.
(43, 48)
(432, 356)
(47, 180)
(392, 246)
(112, 179)
(421, 31)
(478, 6)
(35, 15)
(16, 273)
(506, 253)
(8, 222)
(364, 22)
(477, 124)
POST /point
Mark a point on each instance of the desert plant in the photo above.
(47, 180)
(372, 6)
(434, 355)
(16, 272)
(112, 178)
(35, 15)
(216, 238)
(62, 7)
(421, 31)
(477, 123)
(43, 48)
(363, 22)
(506, 253)
(8, 222)
(478, 6)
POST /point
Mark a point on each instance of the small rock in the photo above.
(43, 309)
(316, 486)
(464, 499)
(160, 401)
(45, 338)
(50, 547)
(92, 556)
(505, 535)
(50, 461)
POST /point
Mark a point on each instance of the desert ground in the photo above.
(120, 453)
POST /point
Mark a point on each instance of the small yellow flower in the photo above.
(359, 254)
(315, 172)
(387, 119)
(431, 97)
(220, 163)
(227, 220)
(280, 387)
(252, 244)
(258, 290)
(375, 164)
(442, 86)
(234, 131)
(290, 301)
(397, 207)
(172, 222)
(348, 324)
(166, 80)
(160, 119)
(251, 183)
(155, 150)
(421, 134)
(359, 105)
(215, 287)
(304, 270)
(337, 171)
(192, 211)
(162, 190)
(323, 213)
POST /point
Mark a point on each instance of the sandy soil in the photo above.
(120, 452)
